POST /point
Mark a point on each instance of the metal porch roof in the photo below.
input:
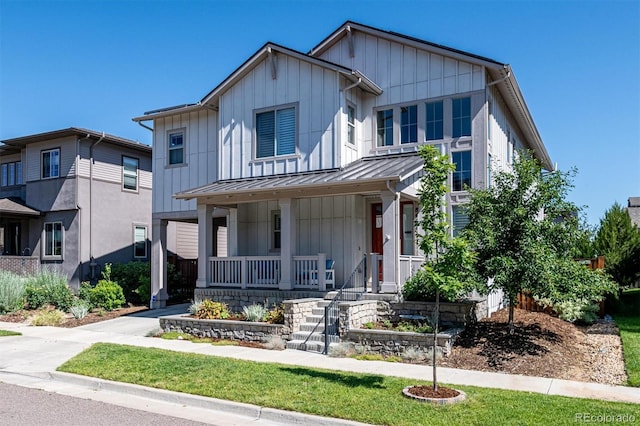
(367, 170)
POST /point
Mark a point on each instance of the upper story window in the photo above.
(176, 147)
(53, 239)
(462, 173)
(140, 242)
(11, 174)
(459, 219)
(385, 127)
(461, 115)
(276, 132)
(51, 163)
(489, 119)
(435, 120)
(409, 124)
(130, 173)
(351, 124)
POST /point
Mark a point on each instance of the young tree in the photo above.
(448, 261)
(618, 240)
(521, 227)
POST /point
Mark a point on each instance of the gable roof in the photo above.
(361, 176)
(500, 74)
(16, 206)
(210, 100)
(78, 132)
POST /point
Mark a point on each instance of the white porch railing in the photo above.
(308, 272)
(408, 266)
(245, 271)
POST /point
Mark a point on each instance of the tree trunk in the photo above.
(436, 315)
(511, 308)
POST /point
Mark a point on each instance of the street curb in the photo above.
(237, 408)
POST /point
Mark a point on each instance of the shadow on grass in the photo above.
(351, 381)
(497, 345)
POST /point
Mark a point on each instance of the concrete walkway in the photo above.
(31, 360)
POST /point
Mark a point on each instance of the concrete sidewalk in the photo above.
(34, 356)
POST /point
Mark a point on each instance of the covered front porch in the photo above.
(308, 231)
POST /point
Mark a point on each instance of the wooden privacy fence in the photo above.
(528, 303)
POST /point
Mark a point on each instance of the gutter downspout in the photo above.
(141, 124)
(395, 224)
(92, 263)
(351, 86)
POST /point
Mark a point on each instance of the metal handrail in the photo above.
(350, 290)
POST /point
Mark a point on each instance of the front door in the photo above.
(376, 234)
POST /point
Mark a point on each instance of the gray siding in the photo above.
(68, 151)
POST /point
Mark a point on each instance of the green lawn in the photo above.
(362, 397)
(9, 333)
(628, 321)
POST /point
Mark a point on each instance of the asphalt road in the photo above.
(20, 406)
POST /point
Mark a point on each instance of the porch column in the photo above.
(390, 211)
(288, 237)
(158, 264)
(205, 243)
(232, 232)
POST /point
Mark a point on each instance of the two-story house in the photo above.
(74, 199)
(296, 158)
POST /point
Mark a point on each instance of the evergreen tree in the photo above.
(618, 240)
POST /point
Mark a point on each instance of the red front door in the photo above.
(376, 233)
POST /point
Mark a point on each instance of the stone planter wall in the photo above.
(223, 329)
(354, 314)
(237, 298)
(295, 312)
(390, 343)
(451, 314)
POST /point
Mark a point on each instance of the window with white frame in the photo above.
(11, 174)
(276, 132)
(434, 129)
(130, 173)
(488, 170)
(461, 117)
(50, 163)
(385, 127)
(53, 239)
(351, 124)
(462, 173)
(407, 229)
(276, 230)
(489, 118)
(176, 147)
(459, 219)
(409, 124)
(140, 242)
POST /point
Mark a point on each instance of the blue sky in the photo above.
(97, 64)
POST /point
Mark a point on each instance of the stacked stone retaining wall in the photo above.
(224, 329)
(237, 298)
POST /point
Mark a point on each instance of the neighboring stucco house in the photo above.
(74, 199)
(633, 208)
(299, 157)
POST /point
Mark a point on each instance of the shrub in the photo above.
(106, 294)
(135, 280)
(193, 308)
(276, 315)
(274, 342)
(84, 292)
(254, 312)
(80, 309)
(420, 288)
(11, 292)
(212, 310)
(51, 287)
(53, 317)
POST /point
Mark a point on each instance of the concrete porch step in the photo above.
(313, 337)
(309, 346)
(310, 326)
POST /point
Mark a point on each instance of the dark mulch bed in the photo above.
(541, 345)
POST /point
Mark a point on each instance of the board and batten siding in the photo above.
(311, 89)
(404, 72)
(68, 152)
(502, 128)
(201, 160)
(330, 225)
